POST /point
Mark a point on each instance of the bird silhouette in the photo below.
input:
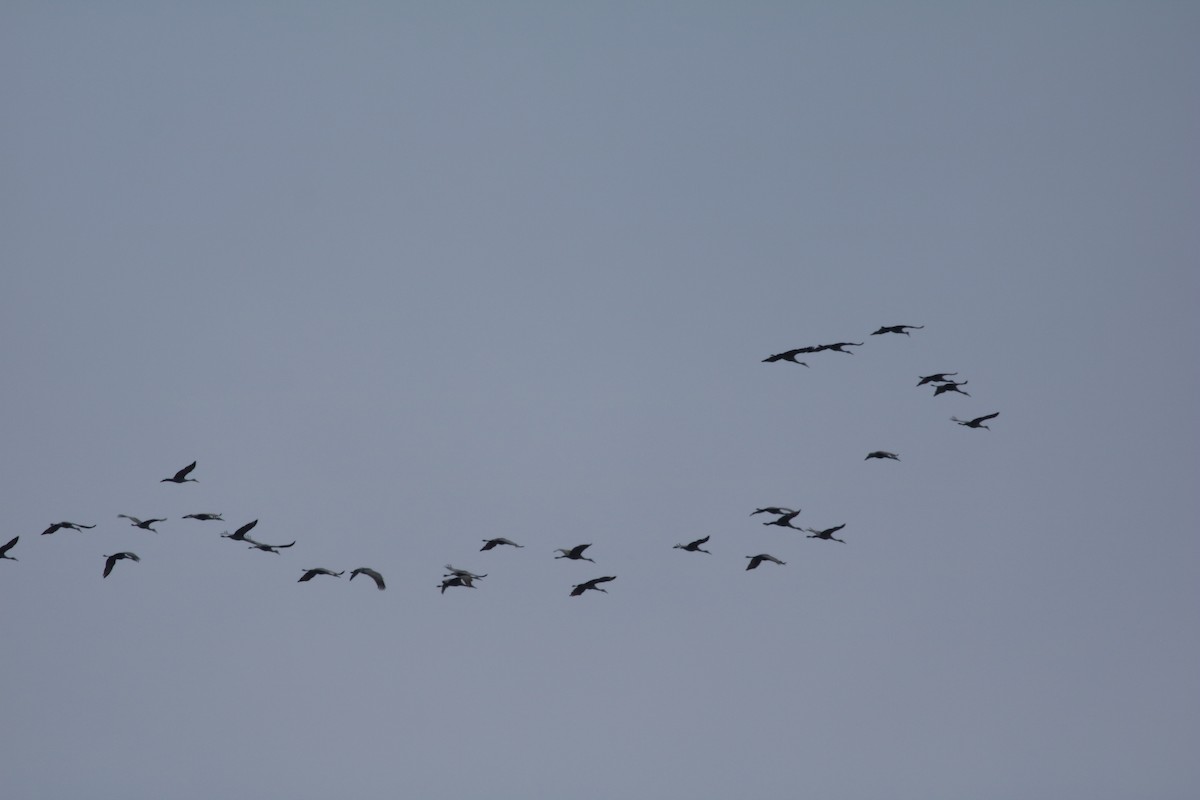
(370, 573)
(580, 588)
(977, 422)
(772, 510)
(788, 355)
(786, 520)
(882, 454)
(950, 386)
(267, 548)
(144, 524)
(4, 550)
(203, 517)
(114, 558)
(694, 547)
(240, 534)
(827, 534)
(488, 544)
(456, 580)
(455, 572)
(937, 377)
(575, 553)
(897, 329)
(182, 475)
(838, 347)
(309, 574)
(71, 526)
(760, 558)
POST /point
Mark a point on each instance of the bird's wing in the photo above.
(134, 520)
(108, 565)
(9, 546)
(183, 473)
(987, 417)
(605, 579)
(577, 550)
(702, 541)
(838, 528)
(242, 531)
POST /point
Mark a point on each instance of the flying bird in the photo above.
(786, 520)
(72, 526)
(897, 329)
(937, 377)
(575, 553)
(370, 573)
(488, 544)
(827, 534)
(694, 547)
(789, 355)
(838, 347)
(309, 574)
(760, 558)
(267, 548)
(182, 475)
(772, 510)
(456, 580)
(144, 524)
(580, 588)
(977, 422)
(204, 517)
(882, 454)
(951, 386)
(4, 550)
(240, 534)
(465, 574)
(114, 558)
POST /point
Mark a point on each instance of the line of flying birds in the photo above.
(943, 383)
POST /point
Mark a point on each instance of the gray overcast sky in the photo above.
(403, 277)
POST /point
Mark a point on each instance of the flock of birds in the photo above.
(942, 382)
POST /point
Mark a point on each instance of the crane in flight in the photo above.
(488, 544)
(897, 329)
(694, 547)
(937, 377)
(268, 548)
(240, 534)
(114, 558)
(204, 517)
(71, 526)
(760, 558)
(827, 534)
(144, 524)
(309, 574)
(774, 510)
(580, 588)
(370, 573)
(788, 355)
(882, 454)
(465, 574)
(950, 386)
(839, 347)
(4, 550)
(574, 553)
(977, 422)
(182, 475)
(456, 580)
(786, 520)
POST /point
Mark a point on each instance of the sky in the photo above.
(404, 277)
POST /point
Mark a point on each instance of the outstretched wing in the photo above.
(9, 546)
(986, 418)
(183, 473)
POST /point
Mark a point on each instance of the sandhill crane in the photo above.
(182, 475)
(4, 550)
(370, 573)
(240, 534)
(466, 574)
(786, 520)
(456, 580)
(760, 558)
(114, 558)
(950, 386)
(144, 524)
(267, 548)
(488, 544)
(897, 329)
(71, 526)
(788, 355)
(575, 553)
(694, 547)
(827, 534)
(309, 574)
(204, 517)
(773, 510)
(882, 454)
(937, 377)
(837, 347)
(977, 422)
(580, 588)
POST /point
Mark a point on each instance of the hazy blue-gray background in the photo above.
(404, 277)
